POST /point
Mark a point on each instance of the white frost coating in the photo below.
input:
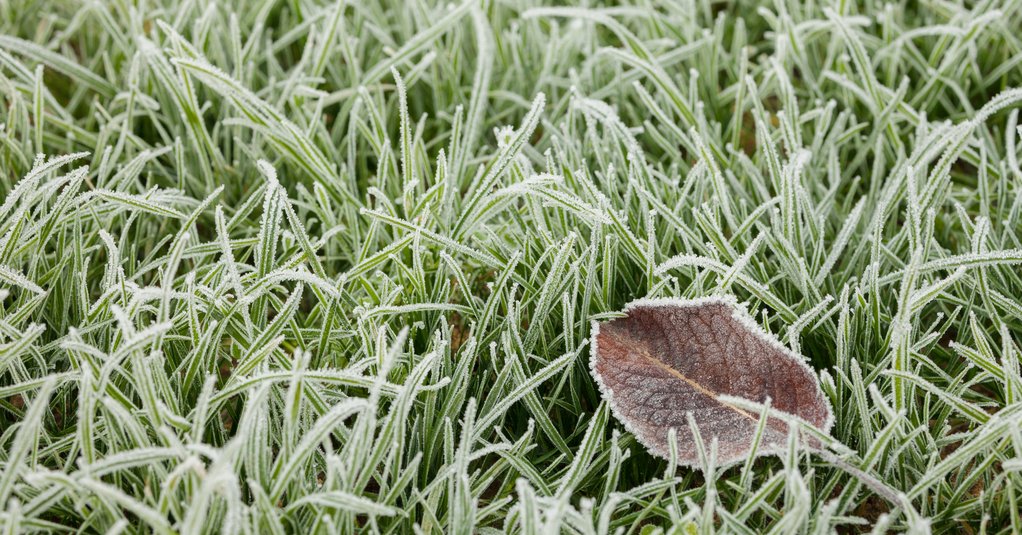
(740, 314)
(15, 278)
(685, 260)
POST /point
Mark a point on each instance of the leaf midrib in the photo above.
(694, 384)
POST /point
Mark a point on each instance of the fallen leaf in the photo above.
(669, 357)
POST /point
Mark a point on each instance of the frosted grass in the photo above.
(313, 266)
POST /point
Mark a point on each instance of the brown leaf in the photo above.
(673, 356)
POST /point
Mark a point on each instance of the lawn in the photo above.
(301, 266)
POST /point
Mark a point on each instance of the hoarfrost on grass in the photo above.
(332, 267)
